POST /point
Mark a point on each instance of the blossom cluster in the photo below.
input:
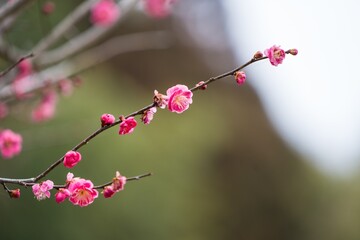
(82, 192)
(79, 191)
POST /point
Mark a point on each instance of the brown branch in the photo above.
(3, 73)
(85, 40)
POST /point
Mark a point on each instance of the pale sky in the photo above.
(313, 98)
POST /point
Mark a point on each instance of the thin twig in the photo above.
(3, 73)
(12, 7)
(31, 181)
(139, 112)
(107, 50)
(85, 40)
(64, 26)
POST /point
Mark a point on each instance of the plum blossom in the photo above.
(180, 97)
(127, 126)
(71, 158)
(148, 115)
(108, 191)
(10, 143)
(107, 119)
(158, 8)
(240, 77)
(275, 54)
(82, 192)
(118, 182)
(46, 108)
(160, 100)
(62, 194)
(117, 185)
(42, 190)
(104, 13)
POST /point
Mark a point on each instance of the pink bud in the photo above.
(293, 51)
(240, 77)
(71, 158)
(202, 85)
(108, 192)
(48, 8)
(107, 119)
(104, 13)
(258, 54)
(127, 126)
(148, 115)
(62, 194)
(15, 193)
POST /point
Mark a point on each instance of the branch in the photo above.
(13, 7)
(142, 110)
(63, 27)
(104, 52)
(84, 40)
(3, 73)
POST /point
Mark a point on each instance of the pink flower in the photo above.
(161, 100)
(82, 192)
(71, 158)
(10, 143)
(240, 77)
(127, 126)
(118, 182)
(15, 193)
(41, 191)
(158, 8)
(61, 195)
(116, 186)
(108, 192)
(275, 54)
(107, 119)
(46, 109)
(148, 115)
(180, 97)
(104, 13)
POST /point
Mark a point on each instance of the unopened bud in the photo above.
(202, 85)
(258, 54)
(14, 193)
(293, 51)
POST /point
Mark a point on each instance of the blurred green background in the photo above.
(220, 170)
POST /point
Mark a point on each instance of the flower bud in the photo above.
(107, 119)
(258, 54)
(293, 51)
(14, 193)
(202, 85)
(240, 77)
